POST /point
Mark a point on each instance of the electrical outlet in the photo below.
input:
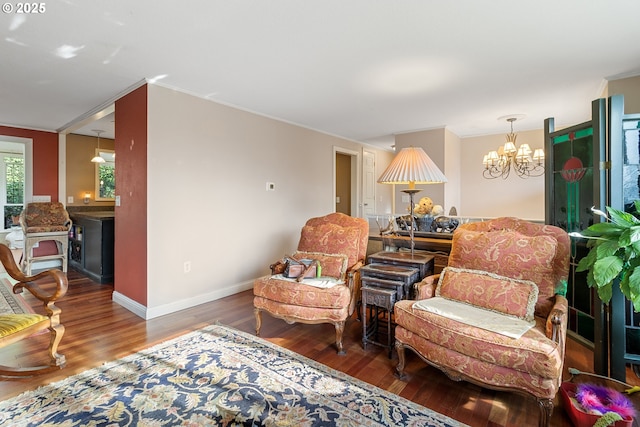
(187, 266)
(406, 199)
(70, 199)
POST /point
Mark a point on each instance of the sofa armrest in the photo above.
(556, 326)
(427, 287)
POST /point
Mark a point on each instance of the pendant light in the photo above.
(98, 158)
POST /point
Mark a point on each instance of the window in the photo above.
(106, 175)
(14, 185)
(16, 176)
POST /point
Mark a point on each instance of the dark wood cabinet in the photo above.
(91, 245)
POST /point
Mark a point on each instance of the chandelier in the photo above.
(499, 163)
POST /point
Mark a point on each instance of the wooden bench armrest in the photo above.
(28, 282)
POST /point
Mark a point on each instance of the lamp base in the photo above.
(411, 192)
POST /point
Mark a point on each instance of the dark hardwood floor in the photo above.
(99, 330)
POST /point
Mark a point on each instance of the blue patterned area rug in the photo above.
(216, 376)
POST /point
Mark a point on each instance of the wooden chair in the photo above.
(16, 327)
(41, 222)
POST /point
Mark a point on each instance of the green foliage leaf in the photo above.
(606, 269)
(634, 289)
(636, 249)
(624, 286)
(606, 248)
(605, 293)
(587, 262)
(629, 236)
(591, 282)
(614, 255)
(622, 218)
(604, 228)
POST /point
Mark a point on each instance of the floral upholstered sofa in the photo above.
(507, 269)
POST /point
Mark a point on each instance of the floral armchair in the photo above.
(339, 243)
(509, 269)
(43, 222)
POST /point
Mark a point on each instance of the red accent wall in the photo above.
(45, 159)
(131, 185)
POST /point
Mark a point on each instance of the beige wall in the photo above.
(460, 159)
(480, 197)
(208, 166)
(80, 149)
(452, 170)
(630, 88)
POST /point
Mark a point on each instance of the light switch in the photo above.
(70, 199)
(117, 200)
(337, 199)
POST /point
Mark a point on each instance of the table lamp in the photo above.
(412, 166)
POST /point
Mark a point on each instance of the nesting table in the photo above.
(388, 277)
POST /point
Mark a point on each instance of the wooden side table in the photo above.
(379, 275)
(380, 301)
(423, 261)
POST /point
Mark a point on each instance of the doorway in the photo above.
(346, 177)
(343, 183)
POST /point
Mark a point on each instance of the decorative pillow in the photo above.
(490, 291)
(331, 239)
(333, 265)
(511, 254)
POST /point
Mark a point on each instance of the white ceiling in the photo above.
(360, 69)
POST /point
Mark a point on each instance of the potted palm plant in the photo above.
(614, 254)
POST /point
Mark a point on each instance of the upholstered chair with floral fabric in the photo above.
(492, 316)
(42, 222)
(338, 242)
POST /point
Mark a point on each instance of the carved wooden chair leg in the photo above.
(258, 314)
(339, 333)
(56, 359)
(546, 409)
(401, 361)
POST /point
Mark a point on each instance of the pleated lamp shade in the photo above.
(412, 166)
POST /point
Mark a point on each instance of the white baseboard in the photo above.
(161, 310)
(133, 306)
